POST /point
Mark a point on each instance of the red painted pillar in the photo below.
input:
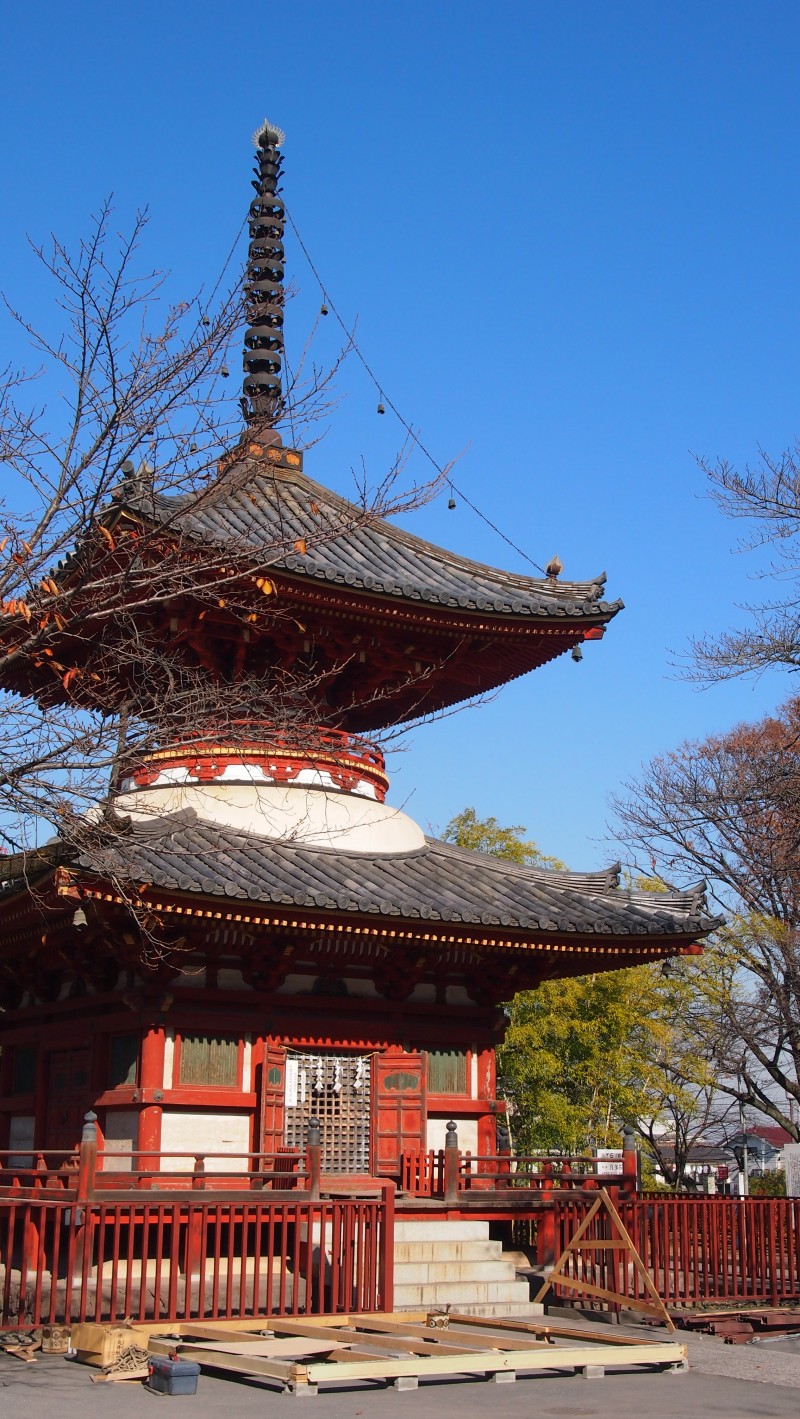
(546, 1221)
(151, 1084)
(386, 1258)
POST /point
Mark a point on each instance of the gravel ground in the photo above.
(709, 1355)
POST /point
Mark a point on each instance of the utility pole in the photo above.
(744, 1185)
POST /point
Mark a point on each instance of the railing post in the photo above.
(546, 1220)
(451, 1163)
(199, 1170)
(630, 1163)
(196, 1218)
(87, 1160)
(84, 1190)
(386, 1263)
(314, 1153)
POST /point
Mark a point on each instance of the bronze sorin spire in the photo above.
(264, 294)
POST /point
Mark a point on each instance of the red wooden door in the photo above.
(68, 1097)
(273, 1085)
(399, 1108)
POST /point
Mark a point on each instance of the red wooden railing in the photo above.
(435, 1173)
(57, 1173)
(74, 1247)
(695, 1250)
(158, 1260)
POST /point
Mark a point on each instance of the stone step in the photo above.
(407, 1273)
(456, 1293)
(446, 1250)
(442, 1229)
(519, 1259)
(511, 1310)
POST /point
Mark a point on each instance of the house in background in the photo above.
(765, 1143)
(710, 1167)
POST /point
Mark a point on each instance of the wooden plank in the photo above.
(554, 1358)
(213, 1332)
(330, 1329)
(283, 1370)
(287, 1348)
(595, 1244)
(402, 1339)
(450, 1334)
(587, 1289)
(187, 1327)
(346, 1357)
(548, 1328)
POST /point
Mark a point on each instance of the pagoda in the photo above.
(317, 954)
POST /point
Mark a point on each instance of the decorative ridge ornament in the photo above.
(262, 404)
(269, 133)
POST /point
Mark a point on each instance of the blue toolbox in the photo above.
(172, 1376)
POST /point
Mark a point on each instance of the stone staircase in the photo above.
(440, 1262)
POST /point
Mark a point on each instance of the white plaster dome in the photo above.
(328, 792)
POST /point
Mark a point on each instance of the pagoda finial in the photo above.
(264, 294)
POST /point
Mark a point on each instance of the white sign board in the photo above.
(791, 1153)
(609, 1162)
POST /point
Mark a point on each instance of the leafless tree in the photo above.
(728, 807)
(130, 402)
(766, 498)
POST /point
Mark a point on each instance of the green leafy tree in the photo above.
(486, 835)
(769, 1184)
(584, 1056)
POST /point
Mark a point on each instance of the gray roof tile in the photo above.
(265, 511)
(185, 853)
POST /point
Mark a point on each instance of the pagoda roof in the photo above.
(260, 506)
(437, 882)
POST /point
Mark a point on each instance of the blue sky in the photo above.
(569, 232)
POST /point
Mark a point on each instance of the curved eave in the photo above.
(338, 595)
(269, 502)
(395, 927)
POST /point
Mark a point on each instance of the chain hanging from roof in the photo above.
(264, 293)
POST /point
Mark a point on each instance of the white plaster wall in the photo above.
(121, 1135)
(289, 813)
(213, 1134)
(229, 979)
(21, 1127)
(467, 1133)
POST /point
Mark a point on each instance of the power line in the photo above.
(328, 301)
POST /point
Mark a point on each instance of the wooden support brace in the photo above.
(622, 1243)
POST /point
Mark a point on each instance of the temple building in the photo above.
(308, 951)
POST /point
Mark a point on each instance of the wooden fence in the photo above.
(193, 1257)
(449, 1174)
(696, 1250)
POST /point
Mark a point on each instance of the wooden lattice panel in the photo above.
(336, 1090)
